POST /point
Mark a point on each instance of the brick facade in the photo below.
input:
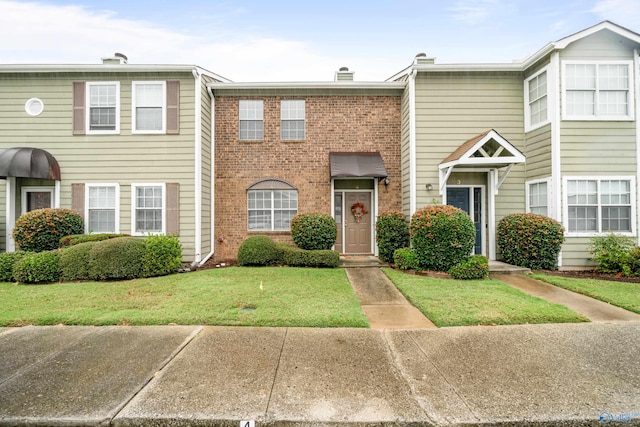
(332, 124)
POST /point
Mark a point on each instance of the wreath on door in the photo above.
(358, 211)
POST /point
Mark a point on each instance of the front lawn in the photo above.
(448, 302)
(229, 296)
(621, 294)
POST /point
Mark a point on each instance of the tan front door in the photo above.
(357, 230)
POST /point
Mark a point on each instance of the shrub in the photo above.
(474, 268)
(613, 254)
(258, 250)
(74, 262)
(7, 263)
(296, 257)
(313, 231)
(442, 236)
(163, 255)
(406, 259)
(116, 259)
(76, 239)
(530, 240)
(38, 267)
(41, 230)
(392, 232)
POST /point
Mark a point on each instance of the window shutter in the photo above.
(173, 208)
(77, 199)
(173, 107)
(79, 108)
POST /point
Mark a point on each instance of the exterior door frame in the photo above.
(484, 221)
(373, 213)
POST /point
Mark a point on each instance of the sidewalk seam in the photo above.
(275, 375)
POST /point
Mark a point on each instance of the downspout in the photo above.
(556, 170)
(198, 168)
(213, 177)
(636, 77)
(412, 142)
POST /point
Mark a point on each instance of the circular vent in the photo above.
(34, 107)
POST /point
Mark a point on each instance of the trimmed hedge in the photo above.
(7, 263)
(406, 259)
(296, 257)
(258, 250)
(117, 259)
(392, 232)
(38, 267)
(314, 231)
(76, 239)
(442, 236)
(74, 262)
(163, 255)
(530, 240)
(474, 268)
(41, 230)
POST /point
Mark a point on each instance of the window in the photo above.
(597, 91)
(599, 205)
(271, 210)
(292, 120)
(537, 197)
(148, 107)
(103, 103)
(147, 209)
(251, 120)
(536, 100)
(102, 206)
(36, 198)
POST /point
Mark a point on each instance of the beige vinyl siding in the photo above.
(405, 152)
(538, 153)
(576, 252)
(603, 45)
(123, 159)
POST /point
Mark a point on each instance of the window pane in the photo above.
(616, 219)
(259, 220)
(149, 95)
(581, 103)
(148, 118)
(613, 103)
(271, 209)
(102, 220)
(102, 118)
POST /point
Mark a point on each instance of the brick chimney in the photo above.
(343, 74)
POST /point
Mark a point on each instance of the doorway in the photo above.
(469, 199)
(354, 214)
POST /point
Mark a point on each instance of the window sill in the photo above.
(293, 141)
(270, 233)
(251, 141)
(597, 234)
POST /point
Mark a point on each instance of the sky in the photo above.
(272, 40)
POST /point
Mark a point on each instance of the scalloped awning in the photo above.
(28, 162)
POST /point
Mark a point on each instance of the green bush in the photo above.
(117, 259)
(406, 259)
(313, 231)
(392, 232)
(474, 268)
(41, 230)
(76, 239)
(442, 236)
(296, 257)
(163, 255)
(530, 240)
(7, 263)
(74, 262)
(613, 254)
(258, 250)
(38, 267)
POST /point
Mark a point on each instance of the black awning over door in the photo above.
(27, 162)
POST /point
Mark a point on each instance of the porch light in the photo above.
(429, 187)
(386, 181)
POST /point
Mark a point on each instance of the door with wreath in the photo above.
(357, 227)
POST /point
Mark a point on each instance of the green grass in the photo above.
(621, 294)
(229, 296)
(448, 302)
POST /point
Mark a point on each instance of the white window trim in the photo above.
(565, 207)
(240, 120)
(630, 113)
(27, 189)
(134, 187)
(88, 109)
(304, 120)
(273, 211)
(527, 105)
(86, 206)
(134, 84)
(527, 192)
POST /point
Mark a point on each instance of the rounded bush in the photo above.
(296, 257)
(163, 255)
(530, 240)
(117, 259)
(75, 239)
(474, 268)
(7, 262)
(74, 262)
(41, 230)
(392, 232)
(442, 236)
(405, 259)
(314, 231)
(258, 250)
(613, 253)
(38, 267)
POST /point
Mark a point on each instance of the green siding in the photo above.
(538, 153)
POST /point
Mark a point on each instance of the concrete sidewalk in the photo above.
(567, 374)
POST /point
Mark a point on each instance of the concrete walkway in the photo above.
(384, 306)
(538, 375)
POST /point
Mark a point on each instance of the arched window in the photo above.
(271, 203)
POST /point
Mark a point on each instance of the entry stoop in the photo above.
(355, 261)
(500, 267)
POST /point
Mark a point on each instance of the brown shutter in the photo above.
(173, 208)
(78, 108)
(77, 199)
(173, 106)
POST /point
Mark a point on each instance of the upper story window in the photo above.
(536, 100)
(251, 119)
(597, 91)
(292, 120)
(103, 107)
(148, 107)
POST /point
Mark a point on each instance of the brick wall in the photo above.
(333, 123)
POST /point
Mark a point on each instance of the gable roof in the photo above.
(489, 149)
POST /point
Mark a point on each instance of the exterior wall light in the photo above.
(386, 181)
(429, 187)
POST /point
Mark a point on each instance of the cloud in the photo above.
(473, 12)
(623, 12)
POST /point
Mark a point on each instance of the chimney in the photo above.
(343, 74)
(117, 59)
(421, 58)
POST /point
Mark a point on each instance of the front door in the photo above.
(357, 222)
(469, 199)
